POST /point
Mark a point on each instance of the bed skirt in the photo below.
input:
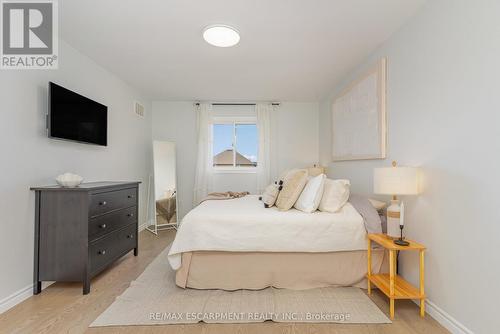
(259, 270)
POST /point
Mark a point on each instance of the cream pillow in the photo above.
(289, 172)
(293, 185)
(378, 205)
(335, 195)
(270, 194)
(310, 197)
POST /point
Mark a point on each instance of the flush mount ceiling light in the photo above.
(221, 36)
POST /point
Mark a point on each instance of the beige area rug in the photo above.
(154, 299)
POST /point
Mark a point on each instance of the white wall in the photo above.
(29, 158)
(294, 128)
(443, 115)
(294, 132)
(176, 122)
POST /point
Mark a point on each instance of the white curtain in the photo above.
(203, 177)
(264, 127)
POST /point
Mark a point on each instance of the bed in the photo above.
(239, 244)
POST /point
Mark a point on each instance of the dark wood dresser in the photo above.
(80, 231)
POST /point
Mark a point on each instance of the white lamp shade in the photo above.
(396, 181)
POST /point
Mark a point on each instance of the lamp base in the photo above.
(393, 219)
(401, 242)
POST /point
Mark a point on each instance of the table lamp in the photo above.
(395, 181)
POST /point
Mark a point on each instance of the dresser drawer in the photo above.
(112, 246)
(108, 201)
(110, 222)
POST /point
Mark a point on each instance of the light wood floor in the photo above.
(61, 308)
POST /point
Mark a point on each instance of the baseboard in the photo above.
(143, 226)
(446, 320)
(19, 296)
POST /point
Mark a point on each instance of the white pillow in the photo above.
(310, 197)
(335, 195)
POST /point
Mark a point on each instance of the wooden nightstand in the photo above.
(392, 285)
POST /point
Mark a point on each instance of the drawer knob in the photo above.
(130, 215)
(103, 203)
(130, 236)
(102, 252)
(130, 196)
(102, 226)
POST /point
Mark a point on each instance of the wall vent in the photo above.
(139, 109)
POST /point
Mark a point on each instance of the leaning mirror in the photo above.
(164, 190)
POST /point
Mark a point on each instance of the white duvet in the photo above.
(243, 224)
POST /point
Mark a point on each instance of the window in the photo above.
(235, 144)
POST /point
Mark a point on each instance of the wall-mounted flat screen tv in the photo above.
(76, 117)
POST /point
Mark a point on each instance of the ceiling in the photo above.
(290, 50)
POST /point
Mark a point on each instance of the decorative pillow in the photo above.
(310, 197)
(315, 171)
(271, 193)
(293, 185)
(335, 195)
(287, 173)
(378, 205)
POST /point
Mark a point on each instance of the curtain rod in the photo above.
(236, 104)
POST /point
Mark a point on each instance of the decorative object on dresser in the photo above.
(394, 181)
(69, 180)
(392, 285)
(82, 230)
